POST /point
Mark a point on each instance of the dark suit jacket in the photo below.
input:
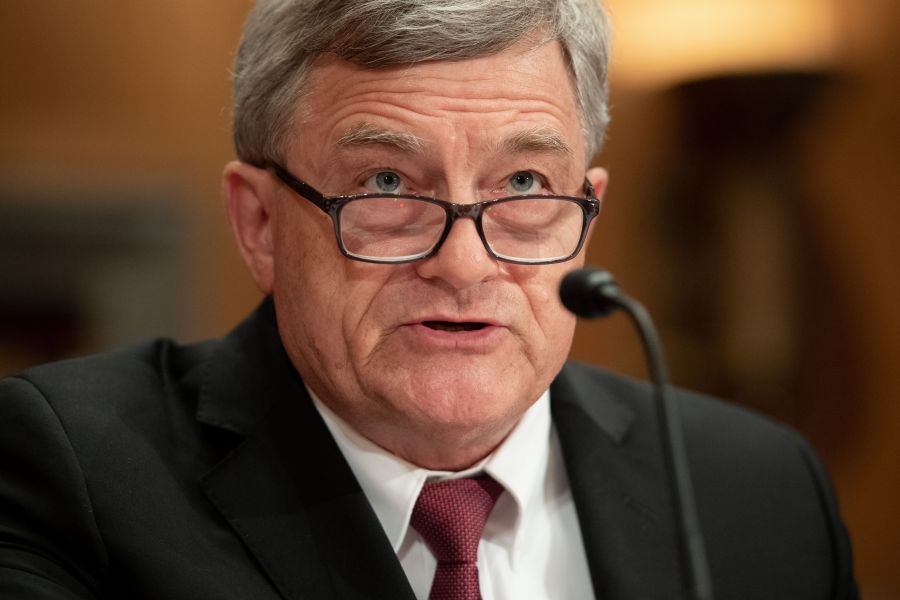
(191, 472)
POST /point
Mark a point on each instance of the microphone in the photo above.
(592, 292)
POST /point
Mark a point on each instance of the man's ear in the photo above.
(249, 193)
(599, 178)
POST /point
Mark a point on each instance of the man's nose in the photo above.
(462, 261)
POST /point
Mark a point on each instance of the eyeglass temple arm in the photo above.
(301, 187)
(591, 195)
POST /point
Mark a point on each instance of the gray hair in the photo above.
(283, 38)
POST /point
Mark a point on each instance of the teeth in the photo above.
(448, 326)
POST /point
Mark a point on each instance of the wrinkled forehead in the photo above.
(526, 91)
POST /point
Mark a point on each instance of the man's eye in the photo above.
(525, 182)
(384, 182)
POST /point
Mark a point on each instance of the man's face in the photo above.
(434, 360)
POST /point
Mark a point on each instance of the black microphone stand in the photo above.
(694, 566)
(692, 552)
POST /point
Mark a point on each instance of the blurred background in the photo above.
(754, 206)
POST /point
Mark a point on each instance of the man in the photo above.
(406, 342)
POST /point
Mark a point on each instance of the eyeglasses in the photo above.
(529, 229)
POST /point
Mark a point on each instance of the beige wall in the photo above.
(103, 91)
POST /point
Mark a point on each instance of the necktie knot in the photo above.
(450, 516)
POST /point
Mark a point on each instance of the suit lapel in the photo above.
(618, 484)
(286, 489)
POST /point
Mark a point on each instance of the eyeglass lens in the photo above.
(517, 229)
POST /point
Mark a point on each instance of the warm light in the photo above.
(657, 42)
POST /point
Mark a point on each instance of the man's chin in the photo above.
(457, 435)
(457, 404)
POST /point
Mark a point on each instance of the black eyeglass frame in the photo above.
(332, 206)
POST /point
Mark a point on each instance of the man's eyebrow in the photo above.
(539, 140)
(366, 134)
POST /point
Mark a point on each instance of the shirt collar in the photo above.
(392, 484)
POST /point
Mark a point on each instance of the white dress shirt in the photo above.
(531, 546)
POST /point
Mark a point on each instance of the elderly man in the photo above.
(397, 419)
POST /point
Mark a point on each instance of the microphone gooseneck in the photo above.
(592, 292)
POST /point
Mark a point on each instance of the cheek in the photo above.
(553, 327)
(541, 287)
(557, 323)
(309, 277)
(326, 299)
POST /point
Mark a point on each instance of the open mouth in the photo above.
(451, 326)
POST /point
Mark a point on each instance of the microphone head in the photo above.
(590, 292)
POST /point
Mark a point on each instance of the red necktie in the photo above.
(450, 516)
